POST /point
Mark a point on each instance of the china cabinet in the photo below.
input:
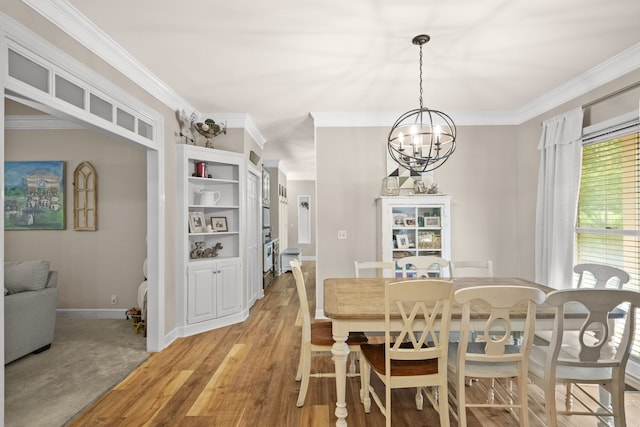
(210, 236)
(413, 226)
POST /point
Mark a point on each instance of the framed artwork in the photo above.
(219, 223)
(398, 219)
(409, 222)
(34, 194)
(196, 222)
(432, 221)
(402, 240)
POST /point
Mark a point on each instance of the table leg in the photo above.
(340, 351)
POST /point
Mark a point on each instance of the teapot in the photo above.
(209, 197)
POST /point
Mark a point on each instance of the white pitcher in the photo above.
(209, 197)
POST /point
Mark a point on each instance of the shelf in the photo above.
(213, 207)
(215, 233)
(204, 181)
(211, 259)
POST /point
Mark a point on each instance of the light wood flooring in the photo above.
(243, 375)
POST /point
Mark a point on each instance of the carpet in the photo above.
(88, 357)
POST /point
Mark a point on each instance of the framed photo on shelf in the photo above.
(398, 219)
(409, 222)
(219, 223)
(432, 221)
(402, 241)
(196, 222)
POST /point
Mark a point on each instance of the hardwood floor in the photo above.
(243, 375)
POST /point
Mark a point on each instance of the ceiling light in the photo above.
(421, 140)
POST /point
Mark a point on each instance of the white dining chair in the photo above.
(408, 359)
(317, 339)
(472, 268)
(493, 355)
(596, 276)
(424, 266)
(374, 268)
(600, 276)
(590, 360)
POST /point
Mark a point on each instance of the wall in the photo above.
(295, 189)
(492, 178)
(483, 202)
(92, 265)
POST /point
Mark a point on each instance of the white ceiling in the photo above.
(280, 60)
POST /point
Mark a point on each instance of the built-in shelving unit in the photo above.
(210, 237)
(414, 226)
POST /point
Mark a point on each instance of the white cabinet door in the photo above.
(201, 294)
(229, 291)
(413, 226)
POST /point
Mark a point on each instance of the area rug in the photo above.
(87, 358)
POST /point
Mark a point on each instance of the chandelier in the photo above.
(421, 140)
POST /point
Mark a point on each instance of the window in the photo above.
(608, 220)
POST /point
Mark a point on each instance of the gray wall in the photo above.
(492, 178)
(92, 265)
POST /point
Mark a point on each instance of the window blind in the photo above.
(608, 217)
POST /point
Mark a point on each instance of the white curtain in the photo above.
(558, 185)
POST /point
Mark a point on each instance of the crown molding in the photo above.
(276, 164)
(71, 21)
(364, 119)
(239, 121)
(617, 66)
(613, 68)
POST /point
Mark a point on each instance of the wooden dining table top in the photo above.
(363, 298)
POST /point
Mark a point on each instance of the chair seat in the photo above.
(481, 369)
(374, 353)
(321, 334)
(538, 356)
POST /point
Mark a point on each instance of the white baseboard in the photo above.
(92, 313)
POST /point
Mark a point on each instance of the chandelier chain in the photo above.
(421, 77)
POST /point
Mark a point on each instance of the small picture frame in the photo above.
(219, 223)
(402, 241)
(409, 222)
(432, 221)
(196, 222)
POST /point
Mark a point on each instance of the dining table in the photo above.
(358, 304)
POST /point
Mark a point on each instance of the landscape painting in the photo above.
(34, 195)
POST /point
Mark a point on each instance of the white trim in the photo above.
(364, 119)
(71, 21)
(629, 118)
(15, 36)
(92, 313)
(239, 121)
(276, 164)
(206, 326)
(25, 42)
(609, 70)
(38, 122)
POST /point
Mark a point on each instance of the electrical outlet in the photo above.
(342, 234)
(114, 299)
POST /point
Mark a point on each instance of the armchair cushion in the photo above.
(22, 276)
